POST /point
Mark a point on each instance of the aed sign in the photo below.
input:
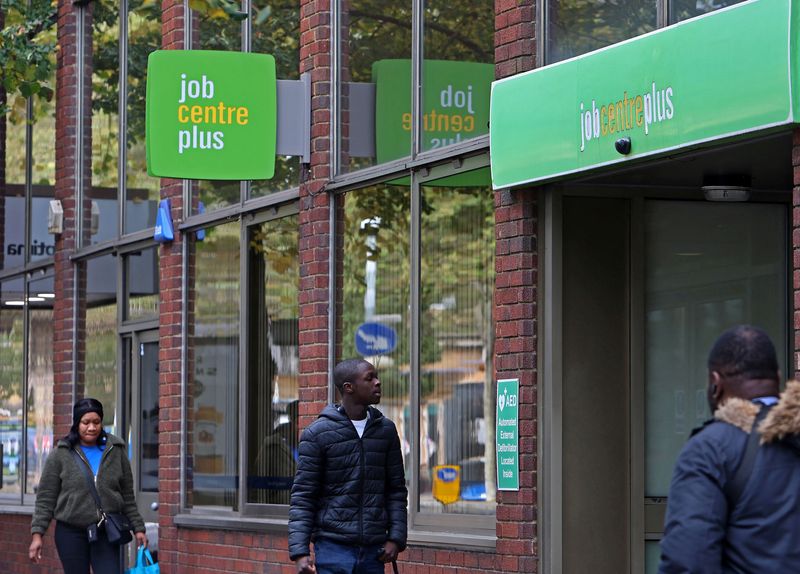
(507, 434)
(722, 75)
(211, 115)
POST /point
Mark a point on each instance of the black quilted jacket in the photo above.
(347, 489)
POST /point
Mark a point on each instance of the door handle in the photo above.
(154, 506)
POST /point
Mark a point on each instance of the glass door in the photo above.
(144, 422)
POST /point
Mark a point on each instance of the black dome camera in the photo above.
(623, 145)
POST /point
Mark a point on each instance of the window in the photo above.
(214, 370)
(272, 359)
(12, 343)
(438, 381)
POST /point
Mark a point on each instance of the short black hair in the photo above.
(346, 371)
(746, 352)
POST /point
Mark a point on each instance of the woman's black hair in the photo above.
(81, 407)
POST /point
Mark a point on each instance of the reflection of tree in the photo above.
(101, 358)
(11, 344)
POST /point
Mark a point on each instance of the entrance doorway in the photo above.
(141, 349)
(639, 290)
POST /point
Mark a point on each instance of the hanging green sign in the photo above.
(211, 115)
(507, 434)
(718, 76)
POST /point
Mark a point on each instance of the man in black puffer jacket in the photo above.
(349, 494)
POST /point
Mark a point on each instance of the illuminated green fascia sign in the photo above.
(211, 115)
(717, 76)
(455, 106)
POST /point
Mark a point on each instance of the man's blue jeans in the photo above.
(333, 558)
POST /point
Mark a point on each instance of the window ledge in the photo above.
(252, 524)
(16, 509)
(455, 540)
(462, 541)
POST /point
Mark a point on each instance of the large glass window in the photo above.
(214, 377)
(272, 359)
(12, 342)
(101, 220)
(575, 27)
(40, 377)
(457, 72)
(451, 373)
(457, 388)
(375, 68)
(141, 190)
(141, 284)
(100, 373)
(684, 9)
(709, 267)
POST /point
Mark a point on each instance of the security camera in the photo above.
(623, 145)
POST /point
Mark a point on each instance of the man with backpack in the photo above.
(734, 501)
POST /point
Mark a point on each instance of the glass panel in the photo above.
(40, 378)
(100, 374)
(652, 556)
(458, 71)
(148, 423)
(374, 283)
(215, 31)
(141, 190)
(279, 35)
(374, 33)
(273, 359)
(708, 267)
(214, 344)
(101, 201)
(141, 284)
(575, 27)
(684, 9)
(43, 170)
(11, 390)
(457, 342)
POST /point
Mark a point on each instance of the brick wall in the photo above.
(516, 266)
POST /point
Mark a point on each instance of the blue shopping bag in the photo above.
(144, 563)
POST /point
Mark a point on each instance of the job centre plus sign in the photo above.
(211, 115)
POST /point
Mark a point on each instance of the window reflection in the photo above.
(214, 384)
(457, 392)
(40, 378)
(100, 373)
(575, 27)
(11, 382)
(101, 200)
(273, 360)
(141, 284)
(141, 190)
(684, 9)
(372, 32)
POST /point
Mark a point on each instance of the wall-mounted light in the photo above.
(55, 217)
(726, 187)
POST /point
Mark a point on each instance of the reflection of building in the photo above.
(598, 286)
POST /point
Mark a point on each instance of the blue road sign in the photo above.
(375, 339)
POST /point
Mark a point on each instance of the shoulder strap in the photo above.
(89, 479)
(734, 489)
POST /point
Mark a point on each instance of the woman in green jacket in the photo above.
(64, 494)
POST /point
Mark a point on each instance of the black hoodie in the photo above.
(347, 489)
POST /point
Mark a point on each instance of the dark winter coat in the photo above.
(760, 532)
(64, 494)
(347, 489)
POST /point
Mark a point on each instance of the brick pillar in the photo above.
(66, 329)
(796, 248)
(516, 266)
(170, 339)
(314, 212)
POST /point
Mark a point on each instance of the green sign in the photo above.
(717, 76)
(211, 115)
(507, 434)
(455, 107)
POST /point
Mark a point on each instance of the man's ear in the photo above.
(715, 385)
(347, 387)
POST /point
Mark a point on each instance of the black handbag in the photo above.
(117, 526)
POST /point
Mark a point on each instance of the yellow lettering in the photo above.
(182, 110)
(241, 115)
(197, 114)
(639, 103)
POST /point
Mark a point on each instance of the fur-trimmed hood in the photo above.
(781, 424)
